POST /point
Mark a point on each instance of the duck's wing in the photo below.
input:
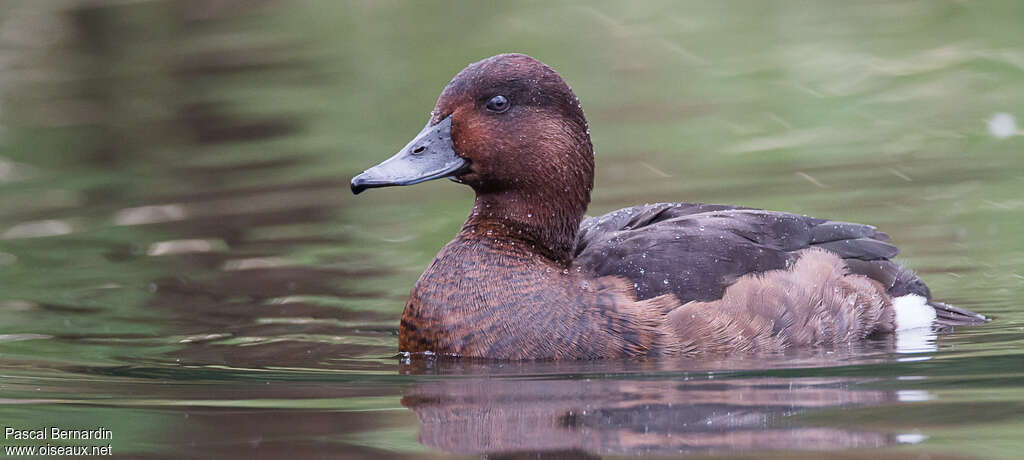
(695, 251)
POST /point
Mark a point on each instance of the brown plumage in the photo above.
(816, 302)
(528, 278)
(496, 298)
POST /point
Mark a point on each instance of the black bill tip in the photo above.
(359, 184)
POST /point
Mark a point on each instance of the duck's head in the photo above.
(505, 125)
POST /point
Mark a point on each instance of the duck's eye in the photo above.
(498, 104)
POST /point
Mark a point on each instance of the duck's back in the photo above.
(697, 251)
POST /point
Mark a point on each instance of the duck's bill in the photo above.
(430, 155)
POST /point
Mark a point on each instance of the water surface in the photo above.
(182, 263)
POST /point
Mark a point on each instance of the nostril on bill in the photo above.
(418, 150)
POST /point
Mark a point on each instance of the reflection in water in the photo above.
(607, 414)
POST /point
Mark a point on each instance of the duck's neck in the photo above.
(543, 222)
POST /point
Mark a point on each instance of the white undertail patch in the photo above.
(914, 320)
(912, 312)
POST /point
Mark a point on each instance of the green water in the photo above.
(181, 261)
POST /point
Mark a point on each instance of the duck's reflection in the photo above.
(627, 413)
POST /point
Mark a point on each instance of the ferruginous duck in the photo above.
(527, 277)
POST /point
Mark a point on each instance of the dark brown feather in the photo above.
(720, 244)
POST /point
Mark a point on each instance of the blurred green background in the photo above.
(182, 262)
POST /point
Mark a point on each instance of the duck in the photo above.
(529, 277)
